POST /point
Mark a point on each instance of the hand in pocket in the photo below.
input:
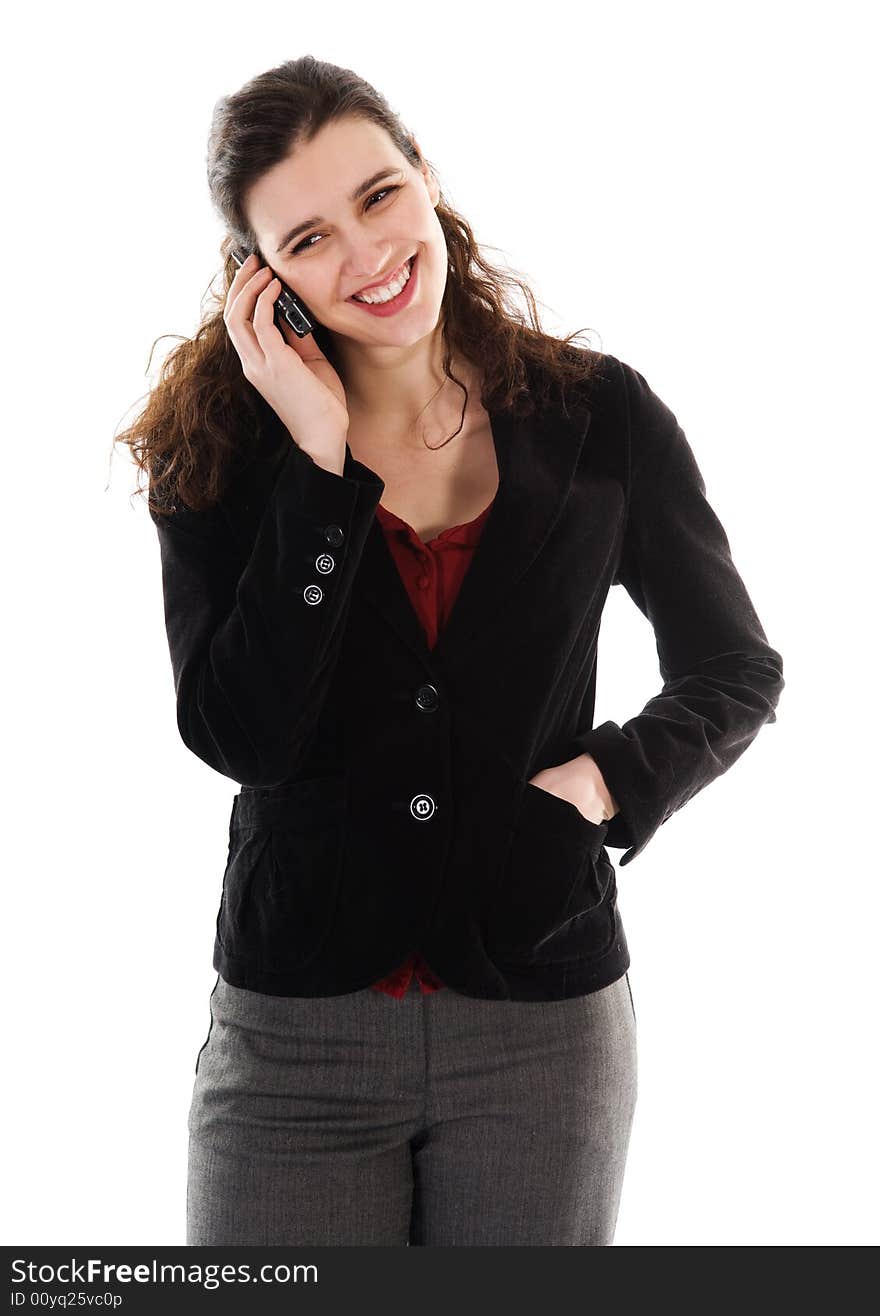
(580, 782)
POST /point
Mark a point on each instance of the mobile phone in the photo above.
(287, 306)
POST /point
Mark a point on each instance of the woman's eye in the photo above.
(382, 190)
(306, 242)
(301, 246)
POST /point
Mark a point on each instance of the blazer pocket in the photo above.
(281, 882)
(552, 875)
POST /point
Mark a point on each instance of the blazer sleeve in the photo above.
(251, 659)
(721, 678)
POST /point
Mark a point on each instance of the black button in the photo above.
(334, 534)
(324, 563)
(422, 807)
(427, 698)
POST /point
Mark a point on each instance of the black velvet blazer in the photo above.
(385, 804)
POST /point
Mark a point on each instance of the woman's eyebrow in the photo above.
(319, 219)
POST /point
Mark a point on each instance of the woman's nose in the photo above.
(366, 266)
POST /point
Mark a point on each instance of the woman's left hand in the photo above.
(580, 782)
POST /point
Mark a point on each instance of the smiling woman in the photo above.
(311, 132)
(422, 1030)
(358, 251)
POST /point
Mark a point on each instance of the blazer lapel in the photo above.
(537, 459)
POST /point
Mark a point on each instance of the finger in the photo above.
(242, 276)
(268, 334)
(238, 318)
(240, 301)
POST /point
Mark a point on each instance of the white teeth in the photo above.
(390, 290)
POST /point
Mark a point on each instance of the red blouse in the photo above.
(432, 574)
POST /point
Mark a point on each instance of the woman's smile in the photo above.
(403, 292)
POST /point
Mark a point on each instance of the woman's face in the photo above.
(326, 246)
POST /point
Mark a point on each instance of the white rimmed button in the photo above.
(422, 807)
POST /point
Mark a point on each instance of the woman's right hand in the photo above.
(292, 373)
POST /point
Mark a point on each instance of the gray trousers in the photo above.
(431, 1120)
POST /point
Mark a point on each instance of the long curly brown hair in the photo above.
(203, 415)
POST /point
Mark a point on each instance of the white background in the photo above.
(690, 182)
